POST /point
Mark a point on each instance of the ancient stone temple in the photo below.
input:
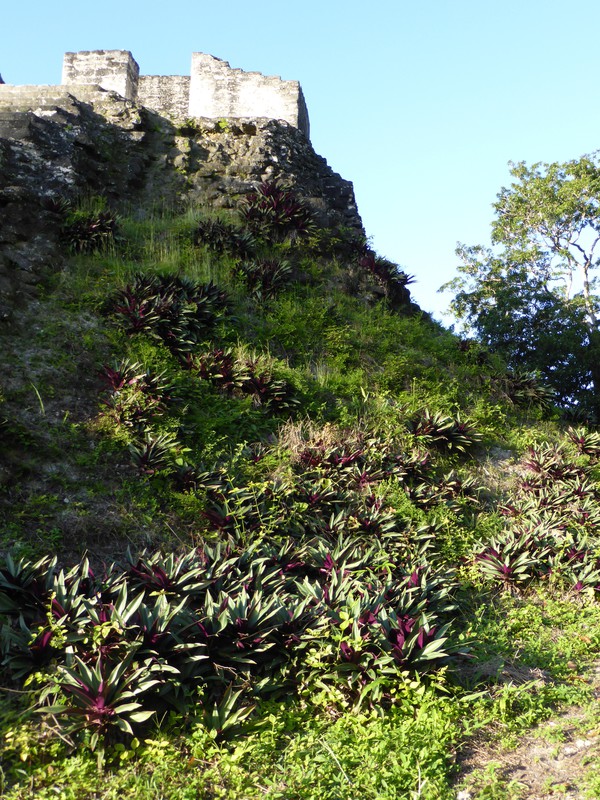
(213, 89)
(149, 141)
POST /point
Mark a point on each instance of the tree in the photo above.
(532, 297)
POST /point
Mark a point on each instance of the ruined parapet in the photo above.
(116, 70)
(168, 95)
(214, 89)
(218, 91)
(42, 99)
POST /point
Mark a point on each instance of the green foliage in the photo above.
(539, 282)
(276, 214)
(264, 277)
(90, 228)
(289, 753)
(348, 514)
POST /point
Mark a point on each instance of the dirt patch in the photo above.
(551, 762)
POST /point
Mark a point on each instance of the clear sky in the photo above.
(421, 104)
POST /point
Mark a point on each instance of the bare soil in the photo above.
(549, 763)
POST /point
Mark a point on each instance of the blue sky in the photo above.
(420, 104)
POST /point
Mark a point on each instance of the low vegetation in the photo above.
(270, 531)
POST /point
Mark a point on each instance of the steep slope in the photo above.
(268, 530)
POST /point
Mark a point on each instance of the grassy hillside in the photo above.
(269, 531)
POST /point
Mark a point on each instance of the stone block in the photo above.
(165, 94)
(218, 91)
(115, 70)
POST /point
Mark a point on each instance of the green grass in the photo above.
(287, 753)
(316, 749)
(357, 367)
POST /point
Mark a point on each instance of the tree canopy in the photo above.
(533, 295)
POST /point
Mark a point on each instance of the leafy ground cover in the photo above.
(269, 531)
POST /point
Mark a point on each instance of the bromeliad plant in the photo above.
(276, 214)
(89, 231)
(525, 389)
(267, 391)
(513, 559)
(245, 376)
(104, 697)
(435, 428)
(171, 575)
(173, 309)
(221, 367)
(222, 237)
(370, 632)
(223, 717)
(152, 453)
(587, 442)
(134, 396)
(264, 278)
(25, 586)
(132, 641)
(552, 521)
(546, 464)
(389, 276)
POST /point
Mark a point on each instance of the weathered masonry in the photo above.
(107, 131)
(213, 88)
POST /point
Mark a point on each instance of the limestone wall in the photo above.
(116, 70)
(41, 98)
(214, 89)
(217, 90)
(165, 94)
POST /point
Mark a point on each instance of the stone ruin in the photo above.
(213, 89)
(151, 141)
(210, 136)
